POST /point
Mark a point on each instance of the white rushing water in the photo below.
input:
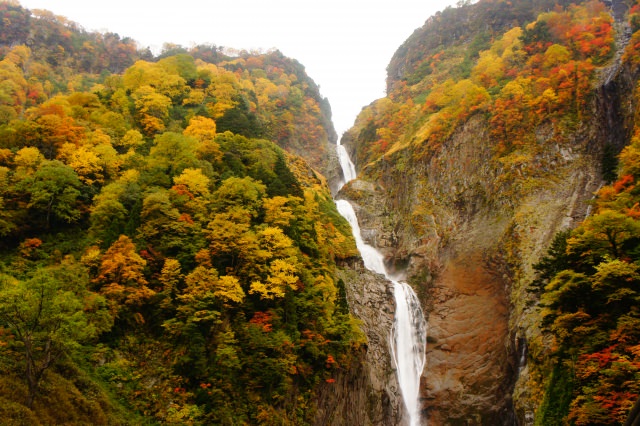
(372, 259)
(410, 340)
(409, 334)
(348, 168)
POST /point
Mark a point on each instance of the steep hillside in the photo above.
(169, 257)
(502, 120)
(260, 94)
(60, 44)
(165, 256)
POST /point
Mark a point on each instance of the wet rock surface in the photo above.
(466, 238)
(469, 260)
(467, 360)
(366, 393)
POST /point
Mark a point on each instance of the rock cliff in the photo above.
(366, 392)
(470, 267)
(467, 240)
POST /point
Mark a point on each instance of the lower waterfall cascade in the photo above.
(409, 334)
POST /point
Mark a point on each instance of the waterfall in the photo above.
(410, 339)
(409, 334)
(348, 168)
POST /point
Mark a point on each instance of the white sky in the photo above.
(345, 45)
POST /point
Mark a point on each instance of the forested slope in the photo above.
(165, 257)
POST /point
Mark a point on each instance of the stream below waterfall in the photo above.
(409, 335)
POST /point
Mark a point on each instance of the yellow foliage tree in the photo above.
(489, 70)
(278, 210)
(84, 161)
(132, 138)
(201, 128)
(170, 275)
(152, 108)
(121, 275)
(282, 274)
(195, 181)
(202, 281)
(204, 130)
(556, 55)
(166, 82)
(27, 160)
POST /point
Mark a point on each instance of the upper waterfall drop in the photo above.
(372, 258)
(409, 334)
(348, 168)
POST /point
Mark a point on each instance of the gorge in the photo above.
(409, 333)
(185, 241)
(467, 215)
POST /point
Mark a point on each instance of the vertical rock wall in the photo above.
(452, 226)
(366, 392)
(469, 255)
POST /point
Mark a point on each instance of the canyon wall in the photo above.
(366, 392)
(476, 249)
(464, 218)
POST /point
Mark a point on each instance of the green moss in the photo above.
(68, 396)
(558, 396)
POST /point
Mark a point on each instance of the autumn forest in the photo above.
(162, 255)
(169, 243)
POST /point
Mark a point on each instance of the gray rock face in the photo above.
(467, 246)
(465, 231)
(367, 393)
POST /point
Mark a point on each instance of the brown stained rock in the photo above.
(468, 364)
(440, 219)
